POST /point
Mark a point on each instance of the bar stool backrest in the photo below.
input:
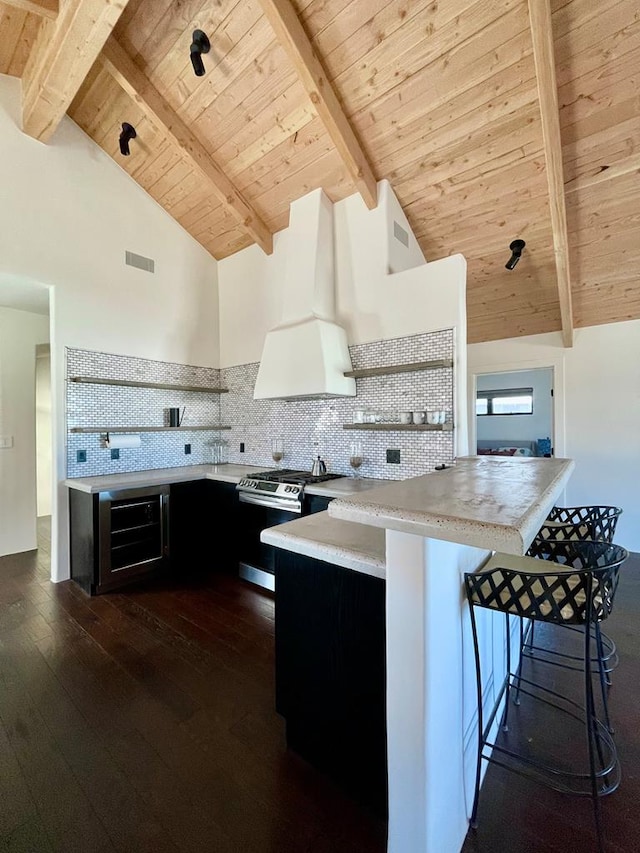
(574, 584)
(581, 522)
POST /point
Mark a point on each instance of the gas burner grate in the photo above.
(290, 475)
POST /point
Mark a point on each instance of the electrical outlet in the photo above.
(115, 453)
(242, 447)
(393, 456)
(81, 455)
(187, 449)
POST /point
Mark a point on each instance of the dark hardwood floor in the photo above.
(145, 721)
(516, 815)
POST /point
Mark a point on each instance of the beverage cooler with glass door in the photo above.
(118, 536)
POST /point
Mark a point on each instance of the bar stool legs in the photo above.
(578, 593)
(473, 820)
(592, 738)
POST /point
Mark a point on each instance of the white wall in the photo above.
(20, 332)
(371, 304)
(600, 410)
(518, 427)
(68, 215)
(44, 450)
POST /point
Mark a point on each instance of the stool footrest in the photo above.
(542, 775)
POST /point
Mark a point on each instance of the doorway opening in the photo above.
(44, 446)
(514, 413)
(26, 442)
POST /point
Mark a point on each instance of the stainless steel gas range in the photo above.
(268, 498)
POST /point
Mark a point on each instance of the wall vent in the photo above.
(400, 234)
(139, 261)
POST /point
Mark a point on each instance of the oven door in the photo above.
(256, 512)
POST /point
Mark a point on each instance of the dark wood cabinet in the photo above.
(186, 526)
(202, 532)
(317, 503)
(122, 536)
(330, 671)
(118, 537)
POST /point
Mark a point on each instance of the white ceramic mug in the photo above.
(442, 419)
(418, 417)
(405, 417)
(433, 417)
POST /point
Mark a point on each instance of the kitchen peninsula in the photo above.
(436, 526)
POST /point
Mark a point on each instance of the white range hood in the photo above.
(306, 355)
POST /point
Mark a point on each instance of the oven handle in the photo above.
(264, 500)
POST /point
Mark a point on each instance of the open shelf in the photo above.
(400, 368)
(209, 427)
(402, 427)
(134, 383)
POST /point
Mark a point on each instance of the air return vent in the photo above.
(139, 261)
(400, 234)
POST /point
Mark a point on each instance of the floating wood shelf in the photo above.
(134, 383)
(132, 429)
(400, 368)
(405, 427)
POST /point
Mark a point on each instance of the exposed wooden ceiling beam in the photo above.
(61, 58)
(292, 36)
(45, 8)
(605, 173)
(543, 54)
(118, 62)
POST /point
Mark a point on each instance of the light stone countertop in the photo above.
(227, 473)
(342, 543)
(488, 502)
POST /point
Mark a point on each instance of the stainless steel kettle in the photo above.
(318, 468)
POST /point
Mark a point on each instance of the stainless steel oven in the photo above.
(265, 500)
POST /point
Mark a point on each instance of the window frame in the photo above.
(489, 396)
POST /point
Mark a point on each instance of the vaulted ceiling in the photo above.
(492, 120)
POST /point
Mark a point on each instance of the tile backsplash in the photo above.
(307, 427)
(120, 406)
(315, 427)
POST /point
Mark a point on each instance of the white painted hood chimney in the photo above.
(306, 354)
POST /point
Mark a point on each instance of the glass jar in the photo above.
(218, 452)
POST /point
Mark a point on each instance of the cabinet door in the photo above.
(222, 533)
(330, 671)
(203, 531)
(189, 517)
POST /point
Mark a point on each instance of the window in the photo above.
(507, 401)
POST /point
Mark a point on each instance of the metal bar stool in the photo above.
(582, 522)
(575, 523)
(579, 591)
(604, 656)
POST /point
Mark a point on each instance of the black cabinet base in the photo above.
(331, 672)
(361, 772)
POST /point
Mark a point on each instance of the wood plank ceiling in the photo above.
(443, 98)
